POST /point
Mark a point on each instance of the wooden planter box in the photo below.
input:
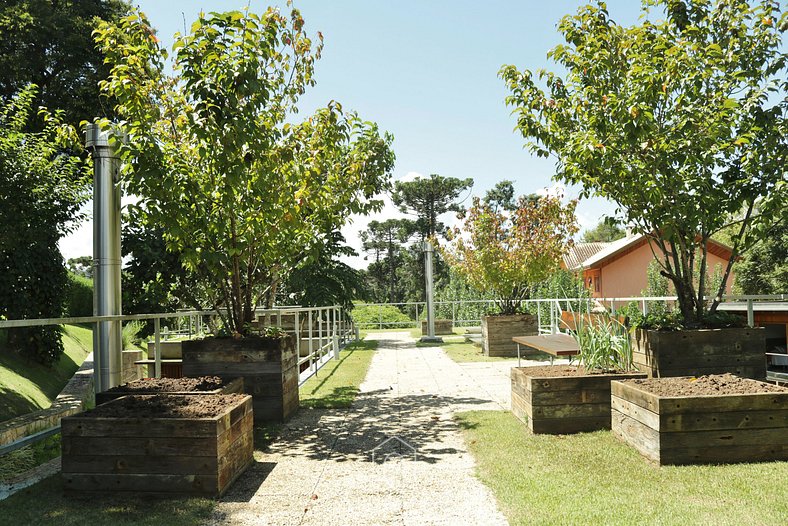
(563, 404)
(156, 456)
(701, 429)
(498, 331)
(701, 351)
(442, 327)
(268, 366)
(236, 385)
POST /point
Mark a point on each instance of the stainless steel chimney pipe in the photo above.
(428, 284)
(106, 257)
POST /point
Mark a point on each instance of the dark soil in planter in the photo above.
(163, 406)
(170, 385)
(564, 370)
(712, 384)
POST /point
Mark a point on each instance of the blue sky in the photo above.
(426, 71)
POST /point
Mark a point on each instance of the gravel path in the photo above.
(321, 469)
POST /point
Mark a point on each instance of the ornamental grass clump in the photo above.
(605, 343)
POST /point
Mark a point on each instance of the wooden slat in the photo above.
(641, 414)
(572, 383)
(743, 402)
(725, 420)
(579, 397)
(724, 437)
(77, 426)
(634, 395)
(78, 483)
(180, 446)
(569, 411)
(139, 464)
(636, 434)
(724, 454)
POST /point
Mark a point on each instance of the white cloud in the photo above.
(411, 176)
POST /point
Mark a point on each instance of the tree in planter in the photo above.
(239, 192)
(510, 253)
(682, 122)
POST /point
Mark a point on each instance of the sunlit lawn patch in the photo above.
(592, 478)
(337, 383)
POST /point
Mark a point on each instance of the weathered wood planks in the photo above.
(268, 366)
(563, 404)
(236, 385)
(498, 331)
(442, 327)
(740, 351)
(157, 456)
(701, 429)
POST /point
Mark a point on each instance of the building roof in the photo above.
(613, 248)
(621, 247)
(580, 252)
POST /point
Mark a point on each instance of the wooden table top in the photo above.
(555, 344)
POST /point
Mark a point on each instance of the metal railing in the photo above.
(327, 330)
(548, 310)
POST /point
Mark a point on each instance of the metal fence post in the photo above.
(750, 314)
(336, 335)
(157, 347)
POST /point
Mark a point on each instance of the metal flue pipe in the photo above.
(428, 283)
(106, 257)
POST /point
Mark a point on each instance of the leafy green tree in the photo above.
(604, 232)
(49, 43)
(501, 196)
(386, 241)
(241, 193)
(324, 280)
(41, 190)
(81, 266)
(427, 198)
(153, 278)
(510, 253)
(765, 269)
(680, 120)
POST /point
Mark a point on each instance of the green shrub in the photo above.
(130, 333)
(371, 316)
(79, 301)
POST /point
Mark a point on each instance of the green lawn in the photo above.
(44, 504)
(27, 386)
(592, 478)
(337, 383)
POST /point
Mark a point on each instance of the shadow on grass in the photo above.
(44, 504)
(338, 398)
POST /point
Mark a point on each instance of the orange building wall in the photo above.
(626, 276)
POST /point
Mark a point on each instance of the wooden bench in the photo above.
(561, 344)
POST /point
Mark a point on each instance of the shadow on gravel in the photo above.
(245, 487)
(417, 421)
